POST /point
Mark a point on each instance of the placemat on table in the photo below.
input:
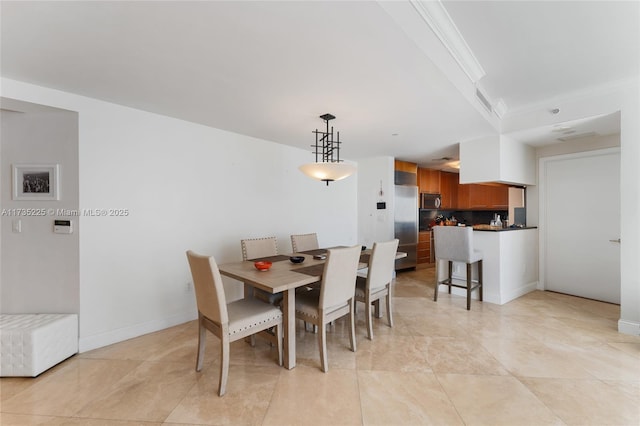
(314, 252)
(313, 270)
(278, 258)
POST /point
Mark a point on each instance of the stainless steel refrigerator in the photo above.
(406, 224)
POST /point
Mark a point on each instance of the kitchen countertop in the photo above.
(489, 228)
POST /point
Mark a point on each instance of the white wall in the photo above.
(591, 143)
(623, 97)
(186, 186)
(40, 270)
(373, 224)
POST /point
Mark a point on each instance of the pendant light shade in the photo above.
(328, 166)
(328, 172)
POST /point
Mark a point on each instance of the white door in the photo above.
(581, 209)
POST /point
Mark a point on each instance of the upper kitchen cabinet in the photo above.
(449, 190)
(429, 181)
(497, 159)
(483, 197)
(405, 173)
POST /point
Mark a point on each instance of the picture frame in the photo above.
(35, 182)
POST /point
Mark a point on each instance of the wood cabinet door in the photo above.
(405, 166)
(479, 196)
(499, 197)
(424, 246)
(429, 180)
(463, 196)
(449, 190)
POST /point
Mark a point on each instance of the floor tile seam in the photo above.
(417, 402)
(359, 393)
(94, 395)
(535, 395)
(444, 390)
(186, 394)
(273, 394)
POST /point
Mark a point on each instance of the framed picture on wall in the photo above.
(35, 182)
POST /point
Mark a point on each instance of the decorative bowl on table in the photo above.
(296, 259)
(262, 265)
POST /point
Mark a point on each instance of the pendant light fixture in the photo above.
(328, 166)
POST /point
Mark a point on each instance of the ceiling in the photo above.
(270, 69)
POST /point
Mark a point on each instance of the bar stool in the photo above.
(455, 244)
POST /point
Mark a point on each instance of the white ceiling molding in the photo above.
(500, 108)
(436, 16)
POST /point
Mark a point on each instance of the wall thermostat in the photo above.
(62, 227)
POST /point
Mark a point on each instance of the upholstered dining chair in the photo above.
(377, 284)
(334, 299)
(229, 322)
(455, 244)
(304, 242)
(256, 248)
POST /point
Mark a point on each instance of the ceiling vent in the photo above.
(578, 136)
(483, 100)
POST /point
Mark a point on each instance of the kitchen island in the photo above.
(510, 263)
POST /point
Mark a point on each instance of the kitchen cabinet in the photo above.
(474, 196)
(429, 180)
(483, 197)
(424, 247)
(479, 196)
(499, 198)
(405, 166)
(449, 190)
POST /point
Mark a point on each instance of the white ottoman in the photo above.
(33, 343)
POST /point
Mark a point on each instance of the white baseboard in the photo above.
(114, 336)
(512, 294)
(498, 298)
(629, 327)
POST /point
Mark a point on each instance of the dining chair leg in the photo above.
(435, 291)
(352, 318)
(322, 345)
(224, 365)
(367, 314)
(450, 275)
(279, 340)
(469, 285)
(202, 337)
(480, 284)
(389, 315)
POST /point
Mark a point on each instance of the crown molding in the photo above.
(438, 19)
(605, 89)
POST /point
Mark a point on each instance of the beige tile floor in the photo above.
(545, 358)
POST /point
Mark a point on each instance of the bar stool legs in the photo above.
(469, 285)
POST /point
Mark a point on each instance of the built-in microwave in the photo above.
(430, 201)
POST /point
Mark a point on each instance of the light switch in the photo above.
(16, 226)
(62, 227)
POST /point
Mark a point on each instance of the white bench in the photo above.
(33, 343)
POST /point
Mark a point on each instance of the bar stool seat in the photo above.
(455, 244)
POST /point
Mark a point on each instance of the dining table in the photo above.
(285, 277)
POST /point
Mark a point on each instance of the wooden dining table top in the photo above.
(283, 274)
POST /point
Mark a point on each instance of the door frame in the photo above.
(542, 207)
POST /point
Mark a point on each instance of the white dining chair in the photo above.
(455, 244)
(377, 284)
(229, 322)
(256, 248)
(334, 299)
(304, 242)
